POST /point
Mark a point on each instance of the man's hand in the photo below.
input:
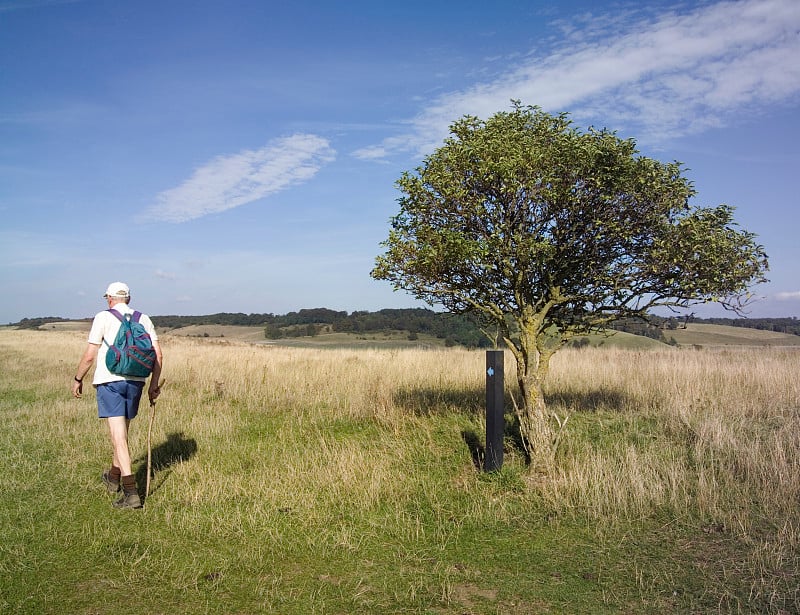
(86, 362)
(153, 392)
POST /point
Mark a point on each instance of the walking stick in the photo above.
(149, 442)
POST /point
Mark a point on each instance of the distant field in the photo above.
(67, 325)
(696, 334)
(721, 335)
(241, 334)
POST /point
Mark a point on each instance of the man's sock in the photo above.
(129, 484)
(114, 473)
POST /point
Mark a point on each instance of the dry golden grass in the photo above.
(708, 436)
(732, 421)
(742, 404)
(732, 418)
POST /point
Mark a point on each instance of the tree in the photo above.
(547, 232)
(272, 332)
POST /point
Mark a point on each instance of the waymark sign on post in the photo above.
(495, 402)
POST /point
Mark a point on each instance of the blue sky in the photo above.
(241, 156)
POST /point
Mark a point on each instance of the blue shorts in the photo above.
(119, 398)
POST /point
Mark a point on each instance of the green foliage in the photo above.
(458, 328)
(580, 342)
(272, 332)
(523, 214)
(638, 326)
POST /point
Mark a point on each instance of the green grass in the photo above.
(387, 340)
(278, 501)
(620, 339)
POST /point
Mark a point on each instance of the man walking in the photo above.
(117, 396)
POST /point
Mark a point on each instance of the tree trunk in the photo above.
(532, 352)
(535, 428)
(534, 421)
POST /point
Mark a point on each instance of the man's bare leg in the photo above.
(118, 430)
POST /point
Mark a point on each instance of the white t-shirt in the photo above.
(105, 327)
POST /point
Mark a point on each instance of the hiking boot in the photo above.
(111, 484)
(128, 500)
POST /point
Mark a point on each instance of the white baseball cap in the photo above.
(118, 289)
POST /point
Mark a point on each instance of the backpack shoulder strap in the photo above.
(134, 317)
(119, 317)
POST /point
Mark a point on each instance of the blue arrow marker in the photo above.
(490, 371)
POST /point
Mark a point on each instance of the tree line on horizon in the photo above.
(453, 328)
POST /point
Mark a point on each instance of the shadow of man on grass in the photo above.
(476, 448)
(176, 449)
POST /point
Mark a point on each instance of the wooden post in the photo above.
(495, 402)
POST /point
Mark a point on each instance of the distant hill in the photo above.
(420, 326)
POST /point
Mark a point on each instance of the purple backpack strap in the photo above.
(119, 317)
(134, 317)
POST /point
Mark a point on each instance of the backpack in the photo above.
(132, 353)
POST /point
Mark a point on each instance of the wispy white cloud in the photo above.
(787, 296)
(658, 77)
(379, 152)
(230, 181)
(164, 275)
